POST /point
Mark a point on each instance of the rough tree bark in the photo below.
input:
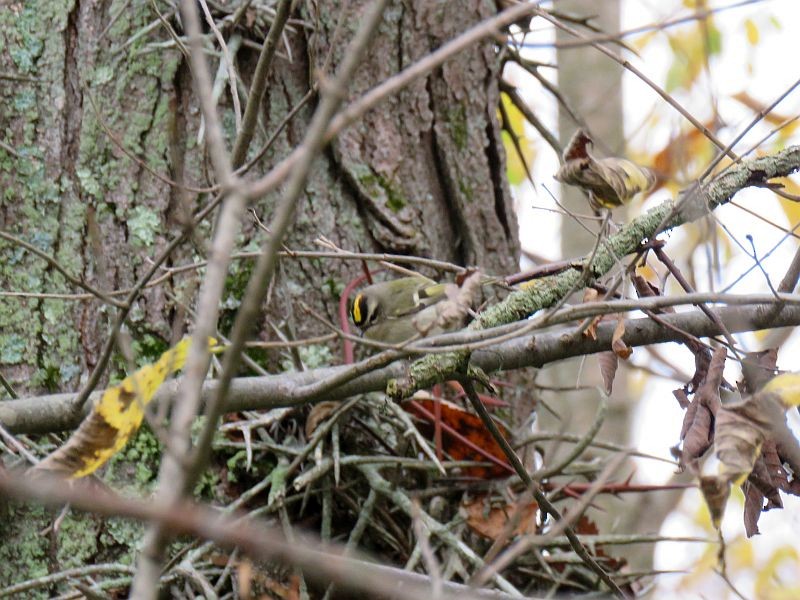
(423, 173)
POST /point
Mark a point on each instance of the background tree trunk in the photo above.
(592, 85)
(424, 174)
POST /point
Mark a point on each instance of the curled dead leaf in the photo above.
(757, 369)
(452, 311)
(608, 363)
(750, 436)
(697, 431)
(610, 182)
(715, 491)
(740, 431)
(590, 295)
(618, 346)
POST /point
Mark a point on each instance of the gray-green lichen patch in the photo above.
(143, 225)
(378, 187)
(23, 553)
(458, 126)
(312, 357)
(12, 348)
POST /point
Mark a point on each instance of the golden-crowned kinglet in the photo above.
(397, 310)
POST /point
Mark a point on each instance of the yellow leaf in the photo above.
(515, 122)
(701, 568)
(116, 416)
(767, 578)
(790, 209)
(647, 272)
(702, 517)
(786, 386)
(740, 554)
(688, 49)
(751, 30)
(640, 42)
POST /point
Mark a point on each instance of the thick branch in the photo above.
(52, 413)
(546, 292)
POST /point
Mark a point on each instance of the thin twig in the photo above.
(544, 504)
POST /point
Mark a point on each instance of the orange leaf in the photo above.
(319, 412)
(672, 160)
(772, 117)
(465, 437)
(590, 295)
(620, 348)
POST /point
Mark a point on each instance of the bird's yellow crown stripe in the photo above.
(357, 309)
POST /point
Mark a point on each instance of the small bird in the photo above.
(398, 310)
(389, 311)
(610, 182)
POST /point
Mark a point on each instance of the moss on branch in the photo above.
(693, 203)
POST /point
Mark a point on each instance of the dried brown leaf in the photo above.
(770, 454)
(682, 397)
(740, 432)
(610, 182)
(753, 507)
(590, 295)
(491, 521)
(244, 575)
(702, 359)
(697, 435)
(585, 526)
(715, 491)
(769, 467)
(757, 369)
(319, 412)
(608, 363)
(708, 392)
(464, 275)
(618, 346)
(451, 312)
(697, 432)
(578, 146)
(645, 289)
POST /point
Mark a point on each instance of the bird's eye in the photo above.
(371, 316)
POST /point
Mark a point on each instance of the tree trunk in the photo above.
(592, 85)
(87, 84)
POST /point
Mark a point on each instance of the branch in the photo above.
(52, 412)
(180, 469)
(321, 561)
(546, 292)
